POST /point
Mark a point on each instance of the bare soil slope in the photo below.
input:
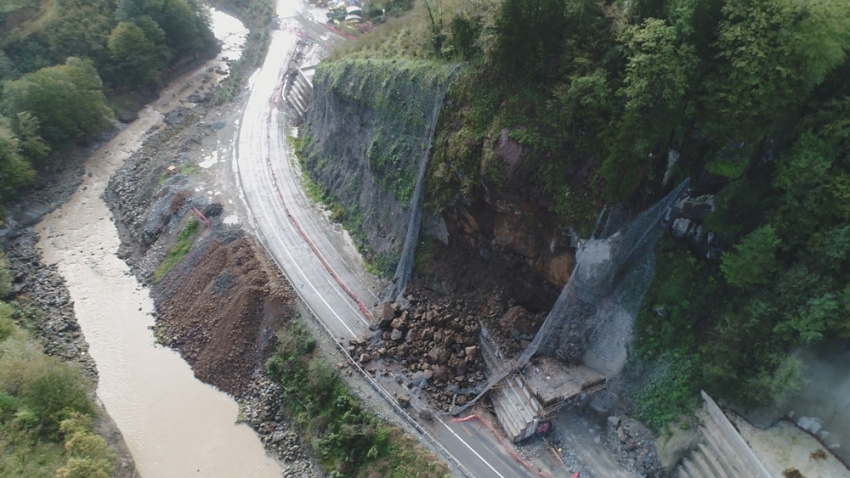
(221, 308)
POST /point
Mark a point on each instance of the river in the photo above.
(174, 425)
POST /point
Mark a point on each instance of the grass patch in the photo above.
(178, 251)
(348, 440)
(188, 169)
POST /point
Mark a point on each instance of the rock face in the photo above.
(367, 134)
(510, 232)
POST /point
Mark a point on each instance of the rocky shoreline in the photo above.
(41, 291)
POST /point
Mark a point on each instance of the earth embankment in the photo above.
(221, 308)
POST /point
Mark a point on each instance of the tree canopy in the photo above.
(54, 71)
(67, 99)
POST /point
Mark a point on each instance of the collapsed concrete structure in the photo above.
(525, 401)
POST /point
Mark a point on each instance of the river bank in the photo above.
(71, 237)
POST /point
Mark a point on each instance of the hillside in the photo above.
(566, 106)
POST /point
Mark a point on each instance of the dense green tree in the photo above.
(7, 68)
(31, 145)
(184, 23)
(15, 171)
(67, 100)
(135, 55)
(530, 36)
(754, 260)
(80, 28)
(771, 53)
(658, 72)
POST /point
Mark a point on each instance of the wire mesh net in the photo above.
(366, 144)
(612, 274)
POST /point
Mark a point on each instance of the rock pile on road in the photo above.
(437, 339)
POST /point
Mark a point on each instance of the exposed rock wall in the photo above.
(367, 133)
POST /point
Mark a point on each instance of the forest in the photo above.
(63, 63)
(615, 102)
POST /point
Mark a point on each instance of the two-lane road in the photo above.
(315, 257)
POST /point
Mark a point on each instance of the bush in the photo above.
(344, 435)
(5, 279)
(55, 390)
(44, 402)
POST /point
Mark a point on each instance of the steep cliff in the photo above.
(368, 130)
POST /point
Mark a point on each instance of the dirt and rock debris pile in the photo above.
(221, 308)
(633, 445)
(436, 339)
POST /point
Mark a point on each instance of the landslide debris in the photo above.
(434, 339)
(220, 308)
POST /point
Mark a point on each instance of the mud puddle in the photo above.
(173, 424)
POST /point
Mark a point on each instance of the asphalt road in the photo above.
(317, 258)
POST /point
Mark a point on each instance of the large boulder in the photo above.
(519, 322)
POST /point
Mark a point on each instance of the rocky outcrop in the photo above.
(367, 133)
(521, 232)
(685, 221)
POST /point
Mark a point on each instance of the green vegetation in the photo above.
(45, 410)
(187, 169)
(349, 440)
(400, 94)
(58, 60)
(177, 252)
(751, 95)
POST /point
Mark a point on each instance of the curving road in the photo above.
(317, 258)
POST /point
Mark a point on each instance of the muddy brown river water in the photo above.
(174, 425)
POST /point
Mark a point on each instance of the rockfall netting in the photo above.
(613, 271)
(366, 144)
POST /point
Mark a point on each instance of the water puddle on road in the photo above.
(174, 425)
